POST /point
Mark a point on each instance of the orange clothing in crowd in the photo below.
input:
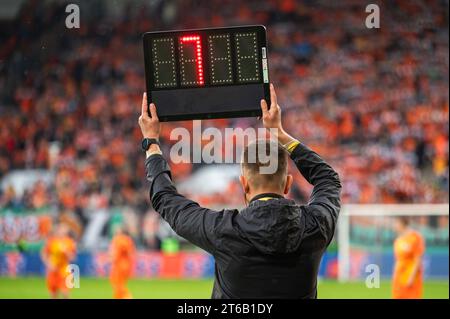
(408, 251)
(122, 252)
(59, 252)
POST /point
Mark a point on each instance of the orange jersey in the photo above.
(408, 250)
(59, 251)
(122, 253)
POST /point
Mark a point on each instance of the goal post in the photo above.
(365, 234)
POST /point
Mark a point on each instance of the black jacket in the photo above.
(270, 249)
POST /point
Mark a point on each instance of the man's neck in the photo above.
(264, 194)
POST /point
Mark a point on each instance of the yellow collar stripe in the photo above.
(265, 198)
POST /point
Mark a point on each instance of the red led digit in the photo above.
(196, 41)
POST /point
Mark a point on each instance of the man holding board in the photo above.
(273, 247)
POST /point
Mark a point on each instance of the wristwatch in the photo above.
(147, 142)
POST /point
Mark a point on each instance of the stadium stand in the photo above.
(374, 103)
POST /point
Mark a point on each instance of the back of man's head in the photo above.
(264, 164)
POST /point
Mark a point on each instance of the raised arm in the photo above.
(186, 217)
(324, 204)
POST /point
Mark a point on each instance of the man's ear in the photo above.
(287, 186)
(244, 183)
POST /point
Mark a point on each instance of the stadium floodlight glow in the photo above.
(207, 73)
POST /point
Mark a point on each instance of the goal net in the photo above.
(366, 234)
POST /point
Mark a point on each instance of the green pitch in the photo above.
(34, 287)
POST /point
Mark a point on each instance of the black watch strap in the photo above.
(147, 142)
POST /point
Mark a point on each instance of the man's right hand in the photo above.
(272, 117)
(150, 126)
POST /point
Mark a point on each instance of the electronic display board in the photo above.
(207, 73)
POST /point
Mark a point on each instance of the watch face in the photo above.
(145, 144)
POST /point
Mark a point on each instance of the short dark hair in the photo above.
(252, 163)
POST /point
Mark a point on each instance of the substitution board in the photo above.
(207, 73)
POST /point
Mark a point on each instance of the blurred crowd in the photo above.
(373, 102)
